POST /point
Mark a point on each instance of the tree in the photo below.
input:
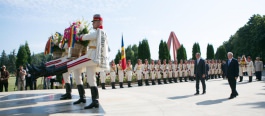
(210, 52)
(181, 54)
(4, 59)
(140, 51)
(135, 51)
(22, 56)
(195, 49)
(118, 57)
(163, 52)
(12, 62)
(221, 53)
(129, 53)
(146, 50)
(28, 52)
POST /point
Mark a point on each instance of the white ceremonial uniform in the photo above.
(250, 68)
(240, 66)
(138, 69)
(175, 70)
(181, 71)
(191, 70)
(170, 70)
(103, 75)
(129, 73)
(94, 60)
(113, 70)
(146, 71)
(185, 70)
(158, 71)
(164, 69)
(120, 73)
(219, 68)
(152, 72)
(212, 68)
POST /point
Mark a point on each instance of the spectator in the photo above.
(258, 68)
(4, 79)
(21, 78)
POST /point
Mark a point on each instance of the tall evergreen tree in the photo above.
(161, 50)
(195, 49)
(146, 50)
(28, 52)
(140, 51)
(22, 56)
(221, 53)
(4, 59)
(166, 52)
(135, 56)
(12, 62)
(210, 52)
(118, 57)
(181, 54)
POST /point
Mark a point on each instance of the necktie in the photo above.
(229, 61)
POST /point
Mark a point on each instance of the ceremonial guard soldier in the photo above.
(219, 68)
(152, 71)
(250, 68)
(212, 69)
(170, 71)
(191, 70)
(175, 71)
(181, 70)
(207, 68)
(129, 72)
(158, 72)
(146, 72)
(139, 69)
(215, 69)
(164, 69)
(113, 72)
(241, 65)
(185, 70)
(103, 75)
(120, 74)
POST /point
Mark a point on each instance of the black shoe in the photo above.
(65, 97)
(196, 93)
(81, 100)
(68, 92)
(94, 104)
(121, 85)
(204, 92)
(231, 97)
(129, 84)
(103, 85)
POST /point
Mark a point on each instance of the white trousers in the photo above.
(146, 75)
(164, 75)
(139, 74)
(66, 77)
(121, 75)
(112, 76)
(102, 77)
(158, 74)
(153, 76)
(129, 75)
(170, 74)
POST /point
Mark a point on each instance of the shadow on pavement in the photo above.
(180, 97)
(256, 104)
(212, 102)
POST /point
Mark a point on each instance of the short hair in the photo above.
(230, 53)
(198, 53)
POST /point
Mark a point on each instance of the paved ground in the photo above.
(160, 100)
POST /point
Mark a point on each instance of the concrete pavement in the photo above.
(159, 100)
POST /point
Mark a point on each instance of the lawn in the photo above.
(12, 80)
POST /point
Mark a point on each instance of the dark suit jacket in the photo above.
(199, 69)
(232, 68)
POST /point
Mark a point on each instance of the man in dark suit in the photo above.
(232, 73)
(199, 73)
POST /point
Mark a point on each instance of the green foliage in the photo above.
(22, 56)
(163, 52)
(221, 53)
(28, 52)
(4, 59)
(249, 39)
(144, 50)
(37, 59)
(195, 49)
(210, 52)
(181, 54)
(118, 57)
(135, 55)
(12, 62)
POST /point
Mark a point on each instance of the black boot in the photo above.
(95, 96)
(103, 85)
(153, 82)
(170, 80)
(174, 79)
(113, 85)
(215, 76)
(180, 79)
(250, 79)
(185, 78)
(81, 92)
(139, 82)
(159, 81)
(129, 84)
(60, 70)
(68, 92)
(146, 82)
(121, 84)
(219, 75)
(165, 80)
(240, 78)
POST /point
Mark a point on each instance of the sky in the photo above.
(202, 21)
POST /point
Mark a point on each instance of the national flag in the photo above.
(123, 56)
(71, 42)
(48, 47)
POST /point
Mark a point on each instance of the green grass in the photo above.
(12, 80)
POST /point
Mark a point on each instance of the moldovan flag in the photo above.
(123, 56)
